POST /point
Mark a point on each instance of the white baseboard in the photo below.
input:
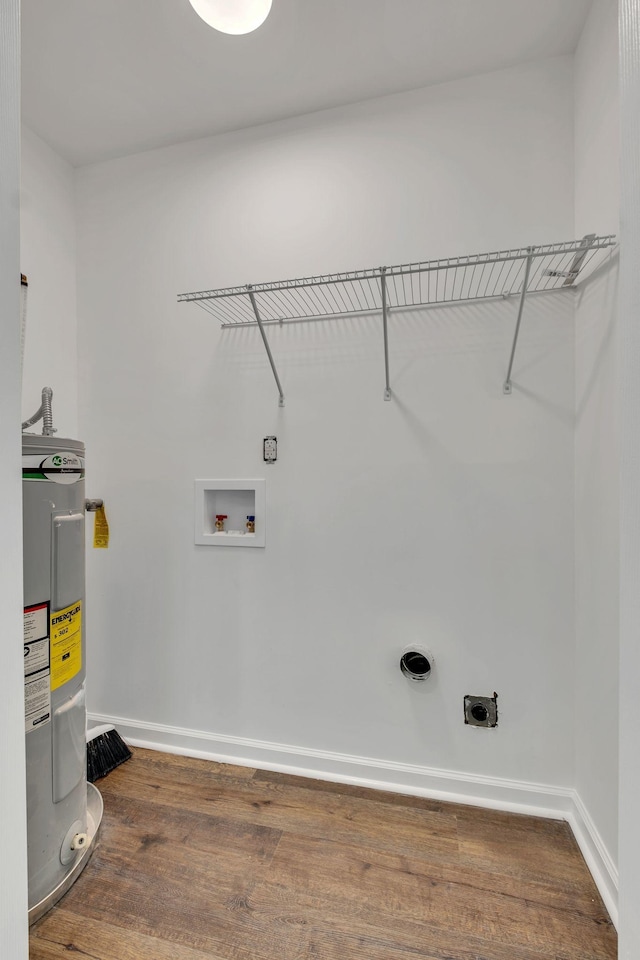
(515, 796)
(596, 855)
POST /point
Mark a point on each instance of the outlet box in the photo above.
(481, 711)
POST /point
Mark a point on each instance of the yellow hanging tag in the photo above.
(100, 529)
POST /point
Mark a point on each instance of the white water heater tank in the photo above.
(54, 659)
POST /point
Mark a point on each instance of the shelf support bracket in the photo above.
(266, 344)
(506, 389)
(385, 313)
(573, 271)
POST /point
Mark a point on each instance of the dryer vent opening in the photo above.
(415, 665)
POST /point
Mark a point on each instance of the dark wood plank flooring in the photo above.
(203, 861)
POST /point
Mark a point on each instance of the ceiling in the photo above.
(105, 78)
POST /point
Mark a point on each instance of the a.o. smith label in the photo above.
(59, 467)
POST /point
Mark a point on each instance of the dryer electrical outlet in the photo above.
(270, 449)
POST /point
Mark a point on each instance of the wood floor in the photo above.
(201, 861)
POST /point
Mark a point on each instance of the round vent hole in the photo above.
(414, 665)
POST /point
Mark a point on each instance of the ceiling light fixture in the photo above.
(232, 16)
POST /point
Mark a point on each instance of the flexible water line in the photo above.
(43, 413)
(47, 415)
(34, 419)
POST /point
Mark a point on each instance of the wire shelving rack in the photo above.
(504, 273)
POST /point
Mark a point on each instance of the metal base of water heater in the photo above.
(95, 808)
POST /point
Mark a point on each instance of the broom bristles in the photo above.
(105, 752)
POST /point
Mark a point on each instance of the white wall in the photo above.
(596, 443)
(444, 517)
(629, 360)
(597, 127)
(13, 842)
(48, 258)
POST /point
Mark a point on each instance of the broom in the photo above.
(106, 750)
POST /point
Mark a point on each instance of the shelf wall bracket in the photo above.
(506, 389)
(266, 344)
(385, 313)
(587, 242)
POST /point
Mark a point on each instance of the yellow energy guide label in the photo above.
(66, 644)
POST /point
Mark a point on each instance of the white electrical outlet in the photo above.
(270, 449)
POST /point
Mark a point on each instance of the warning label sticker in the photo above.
(36, 657)
(37, 701)
(36, 622)
(37, 675)
(66, 644)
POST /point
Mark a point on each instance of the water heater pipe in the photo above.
(43, 413)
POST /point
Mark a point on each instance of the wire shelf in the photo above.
(452, 280)
(505, 273)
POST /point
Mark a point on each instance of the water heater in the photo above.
(63, 811)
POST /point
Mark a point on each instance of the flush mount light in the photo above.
(232, 16)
